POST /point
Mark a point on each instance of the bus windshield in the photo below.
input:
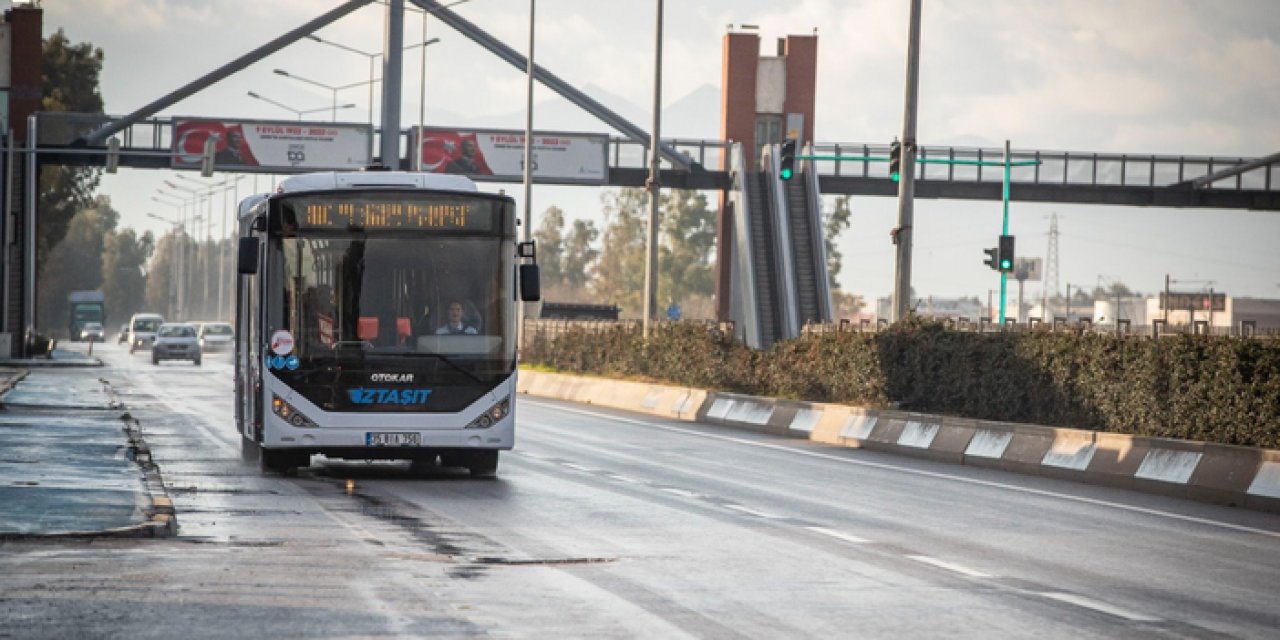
(435, 306)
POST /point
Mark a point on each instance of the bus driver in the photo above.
(456, 325)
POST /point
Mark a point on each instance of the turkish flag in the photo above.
(443, 152)
(191, 135)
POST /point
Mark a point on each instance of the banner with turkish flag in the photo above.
(498, 155)
(272, 146)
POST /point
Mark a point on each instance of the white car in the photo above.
(93, 331)
(176, 342)
(215, 336)
(142, 330)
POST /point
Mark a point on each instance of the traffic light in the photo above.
(206, 158)
(113, 154)
(895, 160)
(993, 258)
(1006, 253)
(786, 168)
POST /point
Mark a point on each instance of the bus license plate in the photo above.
(374, 439)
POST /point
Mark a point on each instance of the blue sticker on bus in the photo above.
(378, 395)
(277, 362)
(292, 363)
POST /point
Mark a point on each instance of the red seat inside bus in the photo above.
(367, 328)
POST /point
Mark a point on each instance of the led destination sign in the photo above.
(401, 214)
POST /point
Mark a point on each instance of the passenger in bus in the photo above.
(457, 324)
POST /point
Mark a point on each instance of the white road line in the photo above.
(752, 512)
(680, 492)
(620, 478)
(928, 474)
(577, 467)
(1081, 601)
(838, 535)
(950, 566)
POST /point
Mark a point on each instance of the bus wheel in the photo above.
(249, 450)
(282, 461)
(483, 464)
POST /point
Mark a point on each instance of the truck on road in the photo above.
(85, 307)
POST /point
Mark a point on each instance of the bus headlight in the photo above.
(289, 414)
(493, 415)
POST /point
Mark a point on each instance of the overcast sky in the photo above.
(1135, 76)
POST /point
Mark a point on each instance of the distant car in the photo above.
(142, 330)
(215, 336)
(93, 331)
(124, 334)
(176, 342)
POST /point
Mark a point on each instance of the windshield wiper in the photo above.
(413, 354)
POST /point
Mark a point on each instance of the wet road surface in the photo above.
(607, 524)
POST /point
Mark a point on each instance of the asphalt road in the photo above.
(607, 524)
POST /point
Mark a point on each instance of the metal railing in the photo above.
(1055, 168)
(625, 153)
(1125, 330)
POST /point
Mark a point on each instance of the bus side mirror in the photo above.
(247, 259)
(530, 285)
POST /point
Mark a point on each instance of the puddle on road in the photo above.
(474, 553)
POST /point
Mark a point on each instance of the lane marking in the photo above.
(949, 566)
(577, 467)
(919, 472)
(679, 492)
(1102, 607)
(752, 512)
(838, 535)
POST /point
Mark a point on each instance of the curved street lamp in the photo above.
(299, 112)
(332, 88)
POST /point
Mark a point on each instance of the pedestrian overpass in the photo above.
(775, 271)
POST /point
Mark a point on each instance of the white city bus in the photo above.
(376, 319)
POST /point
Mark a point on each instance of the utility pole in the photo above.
(1210, 310)
(1165, 303)
(906, 185)
(653, 184)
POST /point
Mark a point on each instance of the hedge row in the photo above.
(1215, 389)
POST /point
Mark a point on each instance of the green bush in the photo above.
(1214, 389)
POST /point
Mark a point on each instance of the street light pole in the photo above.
(371, 56)
(334, 90)
(297, 112)
(392, 74)
(416, 163)
(182, 246)
(173, 281)
(422, 86)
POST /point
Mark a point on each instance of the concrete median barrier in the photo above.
(1222, 474)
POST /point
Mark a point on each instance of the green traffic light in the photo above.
(785, 174)
(895, 177)
(1005, 264)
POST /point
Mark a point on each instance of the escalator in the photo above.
(779, 276)
(810, 274)
(764, 259)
